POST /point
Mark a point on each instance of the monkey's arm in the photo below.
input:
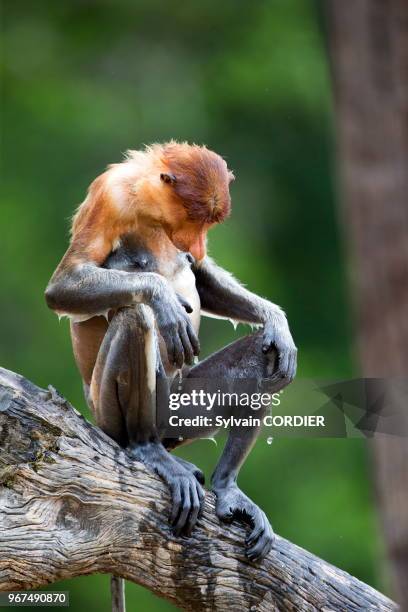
(84, 290)
(223, 296)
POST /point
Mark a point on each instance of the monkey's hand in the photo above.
(232, 504)
(175, 327)
(276, 334)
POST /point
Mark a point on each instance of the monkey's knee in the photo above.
(254, 362)
(265, 367)
(124, 378)
(133, 330)
(129, 352)
(135, 320)
(268, 364)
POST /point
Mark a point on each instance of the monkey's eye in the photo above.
(167, 178)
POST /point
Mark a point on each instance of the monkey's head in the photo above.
(183, 188)
(194, 194)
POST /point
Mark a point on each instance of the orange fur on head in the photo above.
(201, 181)
(133, 192)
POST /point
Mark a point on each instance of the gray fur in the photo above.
(126, 404)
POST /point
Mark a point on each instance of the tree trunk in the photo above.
(72, 502)
(369, 51)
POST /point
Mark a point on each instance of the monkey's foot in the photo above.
(187, 495)
(191, 468)
(232, 504)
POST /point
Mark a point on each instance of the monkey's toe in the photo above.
(261, 539)
(187, 494)
(197, 473)
(187, 499)
(233, 504)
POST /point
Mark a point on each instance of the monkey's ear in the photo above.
(167, 178)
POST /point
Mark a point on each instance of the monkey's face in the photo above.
(191, 237)
(194, 195)
(186, 234)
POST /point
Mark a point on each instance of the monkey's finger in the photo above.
(225, 513)
(269, 334)
(186, 305)
(284, 363)
(201, 493)
(168, 341)
(268, 339)
(290, 370)
(201, 497)
(269, 543)
(293, 365)
(259, 520)
(193, 338)
(188, 349)
(176, 502)
(262, 548)
(199, 476)
(255, 533)
(195, 509)
(174, 348)
(185, 507)
(178, 352)
(264, 544)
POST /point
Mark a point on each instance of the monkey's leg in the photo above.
(123, 390)
(232, 503)
(244, 360)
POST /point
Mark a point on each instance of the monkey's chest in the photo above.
(184, 283)
(134, 255)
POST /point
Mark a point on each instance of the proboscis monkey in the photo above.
(138, 256)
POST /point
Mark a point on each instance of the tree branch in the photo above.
(72, 503)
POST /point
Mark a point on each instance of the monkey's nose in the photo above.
(198, 248)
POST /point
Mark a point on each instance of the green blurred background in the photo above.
(83, 81)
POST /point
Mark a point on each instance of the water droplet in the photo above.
(212, 440)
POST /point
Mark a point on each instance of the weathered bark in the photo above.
(72, 502)
(369, 50)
